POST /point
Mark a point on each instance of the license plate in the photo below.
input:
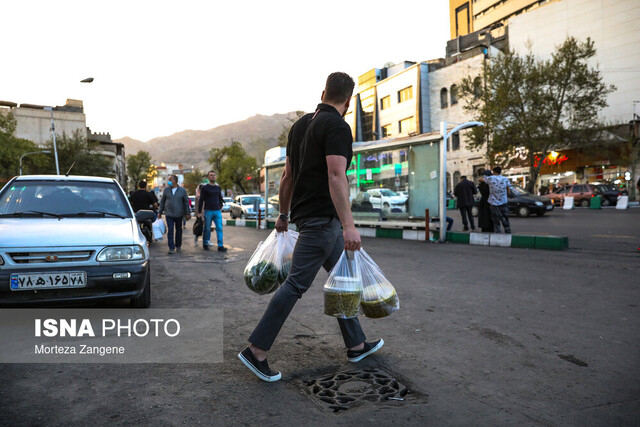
(549, 207)
(58, 280)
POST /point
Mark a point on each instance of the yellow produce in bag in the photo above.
(343, 289)
(379, 297)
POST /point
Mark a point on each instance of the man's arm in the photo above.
(185, 203)
(339, 190)
(163, 200)
(284, 196)
(201, 201)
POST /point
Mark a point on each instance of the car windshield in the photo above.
(227, 199)
(518, 191)
(387, 193)
(605, 187)
(63, 199)
(251, 200)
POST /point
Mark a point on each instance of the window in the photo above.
(477, 87)
(385, 102)
(454, 94)
(407, 125)
(443, 98)
(405, 94)
(386, 130)
(455, 141)
(456, 178)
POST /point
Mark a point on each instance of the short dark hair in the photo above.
(463, 177)
(339, 87)
(497, 169)
(212, 171)
(142, 184)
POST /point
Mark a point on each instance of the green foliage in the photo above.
(284, 135)
(138, 166)
(193, 179)
(11, 148)
(540, 105)
(233, 165)
(79, 156)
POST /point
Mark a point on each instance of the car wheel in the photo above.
(241, 215)
(605, 202)
(385, 205)
(144, 300)
(232, 215)
(474, 211)
(584, 203)
(523, 211)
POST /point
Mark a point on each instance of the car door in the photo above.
(375, 199)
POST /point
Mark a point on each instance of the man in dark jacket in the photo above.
(175, 205)
(210, 207)
(464, 192)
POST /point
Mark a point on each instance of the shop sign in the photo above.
(552, 159)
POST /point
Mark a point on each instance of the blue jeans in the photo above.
(216, 216)
(171, 224)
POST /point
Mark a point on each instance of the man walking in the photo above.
(464, 192)
(210, 206)
(176, 203)
(498, 185)
(314, 185)
(141, 199)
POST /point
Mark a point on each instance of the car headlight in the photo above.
(121, 253)
(539, 204)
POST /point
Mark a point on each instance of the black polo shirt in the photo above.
(142, 199)
(311, 139)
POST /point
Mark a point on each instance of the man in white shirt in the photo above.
(498, 202)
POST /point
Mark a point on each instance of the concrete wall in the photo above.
(464, 159)
(614, 26)
(35, 124)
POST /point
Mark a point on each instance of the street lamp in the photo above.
(446, 134)
(32, 152)
(53, 132)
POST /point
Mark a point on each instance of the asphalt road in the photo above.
(593, 230)
(484, 336)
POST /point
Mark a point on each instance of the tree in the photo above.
(192, 180)
(11, 148)
(283, 138)
(540, 105)
(233, 166)
(78, 156)
(138, 166)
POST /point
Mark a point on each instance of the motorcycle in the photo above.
(145, 220)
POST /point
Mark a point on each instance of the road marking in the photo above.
(609, 235)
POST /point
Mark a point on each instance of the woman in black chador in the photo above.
(484, 211)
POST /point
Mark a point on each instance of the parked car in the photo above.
(608, 194)
(522, 203)
(227, 204)
(243, 206)
(383, 198)
(581, 193)
(67, 239)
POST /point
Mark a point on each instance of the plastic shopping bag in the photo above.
(379, 297)
(158, 229)
(343, 289)
(269, 265)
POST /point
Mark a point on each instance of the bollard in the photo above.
(596, 201)
(426, 225)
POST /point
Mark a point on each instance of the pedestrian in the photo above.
(464, 192)
(197, 210)
(210, 207)
(141, 199)
(175, 202)
(314, 187)
(498, 202)
(484, 208)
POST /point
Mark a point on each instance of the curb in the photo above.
(557, 243)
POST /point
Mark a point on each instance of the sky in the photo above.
(161, 67)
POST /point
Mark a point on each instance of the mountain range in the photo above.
(191, 147)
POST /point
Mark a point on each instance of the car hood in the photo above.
(532, 198)
(396, 199)
(35, 232)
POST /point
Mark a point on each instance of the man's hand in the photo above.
(188, 217)
(352, 240)
(282, 225)
(159, 216)
(199, 215)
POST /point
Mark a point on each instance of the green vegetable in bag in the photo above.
(262, 277)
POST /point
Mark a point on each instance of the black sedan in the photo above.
(523, 203)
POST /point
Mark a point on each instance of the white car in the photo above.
(244, 206)
(70, 239)
(383, 198)
(227, 204)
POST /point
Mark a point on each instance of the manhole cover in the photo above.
(347, 389)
